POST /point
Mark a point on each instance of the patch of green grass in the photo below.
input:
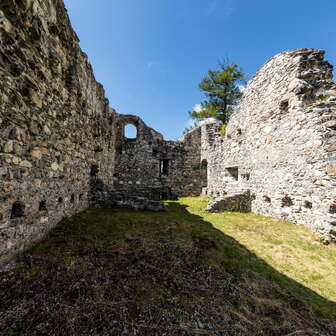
(273, 264)
(284, 247)
(280, 251)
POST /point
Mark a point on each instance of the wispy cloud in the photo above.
(207, 120)
(212, 5)
(191, 123)
(197, 108)
(157, 67)
(152, 64)
(242, 88)
(224, 7)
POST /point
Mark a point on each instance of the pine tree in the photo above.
(222, 92)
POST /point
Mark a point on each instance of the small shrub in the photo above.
(223, 130)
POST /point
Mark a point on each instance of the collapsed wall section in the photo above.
(56, 131)
(280, 143)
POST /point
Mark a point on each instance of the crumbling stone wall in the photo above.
(194, 166)
(152, 167)
(280, 143)
(56, 132)
(62, 147)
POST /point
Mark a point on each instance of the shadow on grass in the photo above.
(236, 258)
(121, 272)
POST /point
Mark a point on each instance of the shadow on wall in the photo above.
(99, 192)
(102, 196)
(241, 284)
(241, 202)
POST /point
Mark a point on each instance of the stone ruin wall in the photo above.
(280, 143)
(195, 169)
(138, 162)
(62, 147)
(56, 131)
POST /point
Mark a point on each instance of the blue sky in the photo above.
(150, 55)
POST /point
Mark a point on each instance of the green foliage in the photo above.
(222, 92)
(223, 130)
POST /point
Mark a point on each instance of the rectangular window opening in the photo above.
(164, 165)
(233, 172)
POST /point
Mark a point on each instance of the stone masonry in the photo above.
(56, 129)
(63, 149)
(280, 144)
(152, 167)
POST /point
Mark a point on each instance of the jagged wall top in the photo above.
(280, 142)
(291, 79)
(56, 130)
(144, 132)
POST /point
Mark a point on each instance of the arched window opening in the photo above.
(130, 131)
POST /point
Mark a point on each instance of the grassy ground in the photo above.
(293, 251)
(182, 272)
